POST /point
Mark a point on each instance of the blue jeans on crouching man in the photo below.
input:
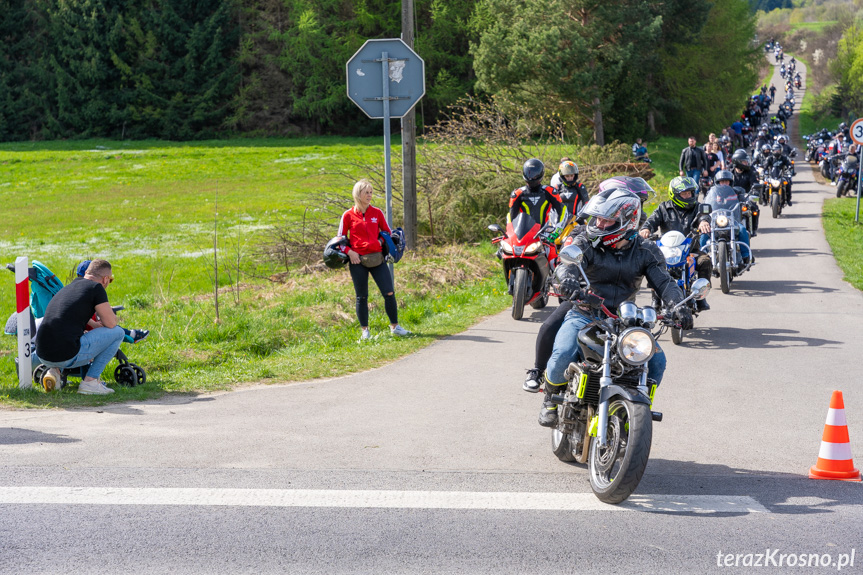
(98, 346)
(566, 350)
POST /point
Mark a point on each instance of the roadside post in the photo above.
(386, 79)
(857, 136)
(25, 346)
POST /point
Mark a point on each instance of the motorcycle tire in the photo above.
(540, 302)
(519, 292)
(775, 205)
(561, 446)
(676, 335)
(723, 268)
(616, 469)
(840, 188)
(824, 171)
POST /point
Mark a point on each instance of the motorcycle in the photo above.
(527, 253)
(723, 245)
(798, 83)
(774, 186)
(604, 414)
(680, 262)
(846, 180)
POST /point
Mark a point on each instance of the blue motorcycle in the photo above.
(677, 249)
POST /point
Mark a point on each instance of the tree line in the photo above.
(191, 69)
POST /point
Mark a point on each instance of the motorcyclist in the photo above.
(744, 177)
(540, 202)
(681, 214)
(763, 138)
(783, 114)
(616, 259)
(778, 159)
(549, 328)
(726, 178)
(571, 192)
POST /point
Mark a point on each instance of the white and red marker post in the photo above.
(25, 346)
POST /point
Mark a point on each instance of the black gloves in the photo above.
(569, 286)
(684, 317)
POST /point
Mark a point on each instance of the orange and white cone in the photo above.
(834, 457)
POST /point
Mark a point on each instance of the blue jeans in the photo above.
(695, 175)
(98, 346)
(566, 350)
(742, 236)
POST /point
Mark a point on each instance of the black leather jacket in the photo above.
(669, 218)
(616, 275)
(745, 179)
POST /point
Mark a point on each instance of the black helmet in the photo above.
(333, 256)
(723, 175)
(683, 184)
(533, 171)
(842, 126)
(777, 149)
(741, 159)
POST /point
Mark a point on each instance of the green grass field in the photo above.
(845, 237)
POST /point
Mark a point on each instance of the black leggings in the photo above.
(382, 277)
(547, 332)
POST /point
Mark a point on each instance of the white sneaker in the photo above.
(51, 379)
(94, 387)
(366, 335)
(399, 330)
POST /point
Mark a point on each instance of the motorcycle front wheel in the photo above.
(676, 335)
(722, 266)
(775, 205)
(519, 292)
(840, 188)
(616, 469)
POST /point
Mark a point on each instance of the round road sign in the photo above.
(857, 131)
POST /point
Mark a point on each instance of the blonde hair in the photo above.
(359, 188)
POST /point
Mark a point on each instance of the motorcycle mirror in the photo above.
(700, 287)
(495, 228)
(571, 255)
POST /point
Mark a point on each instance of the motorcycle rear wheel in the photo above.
(561, 446)
(616, 469)
(724, 270)
(540, 302)
(519, 292)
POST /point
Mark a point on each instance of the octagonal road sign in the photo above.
(365, 77)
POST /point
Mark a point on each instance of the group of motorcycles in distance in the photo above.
(837, 158)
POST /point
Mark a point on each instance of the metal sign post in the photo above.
(393, 94)
(857, 136)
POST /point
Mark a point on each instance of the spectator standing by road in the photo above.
(693, 161)
(362, 225)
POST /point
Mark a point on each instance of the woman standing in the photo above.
(361, 226)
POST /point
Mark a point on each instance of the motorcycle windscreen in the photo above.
(524, 224)
(724, 198)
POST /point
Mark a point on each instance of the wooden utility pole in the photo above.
(409, 147)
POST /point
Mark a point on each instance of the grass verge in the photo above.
(845, 237)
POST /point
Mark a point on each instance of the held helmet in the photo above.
(741, 159)
(682, 184)
(777, 150)
(723, 175)
(334, 257)
(637, 186)
(620, 211)
(568, 168)
(533, 171)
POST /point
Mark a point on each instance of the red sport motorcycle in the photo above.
(528, 254)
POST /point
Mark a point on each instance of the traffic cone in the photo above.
(834, 457)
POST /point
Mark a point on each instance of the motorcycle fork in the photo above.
(604, 381)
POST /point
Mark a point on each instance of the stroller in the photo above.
(44, 285)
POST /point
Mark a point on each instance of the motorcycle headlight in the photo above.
(721, 221)
(775, 183)
(672, 255)
(507, 248)
(636, 346)
(533, 248)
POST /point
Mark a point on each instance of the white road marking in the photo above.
(373, 499)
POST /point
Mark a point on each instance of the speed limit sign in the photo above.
(857, 131)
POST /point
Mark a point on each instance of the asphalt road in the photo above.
(231, 482)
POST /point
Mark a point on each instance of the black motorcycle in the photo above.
(846, 179)
(604, 417)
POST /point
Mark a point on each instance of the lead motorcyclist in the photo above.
(681, 214)
(744, 177)
(777, 159)
(616, 259)
(725, 178)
